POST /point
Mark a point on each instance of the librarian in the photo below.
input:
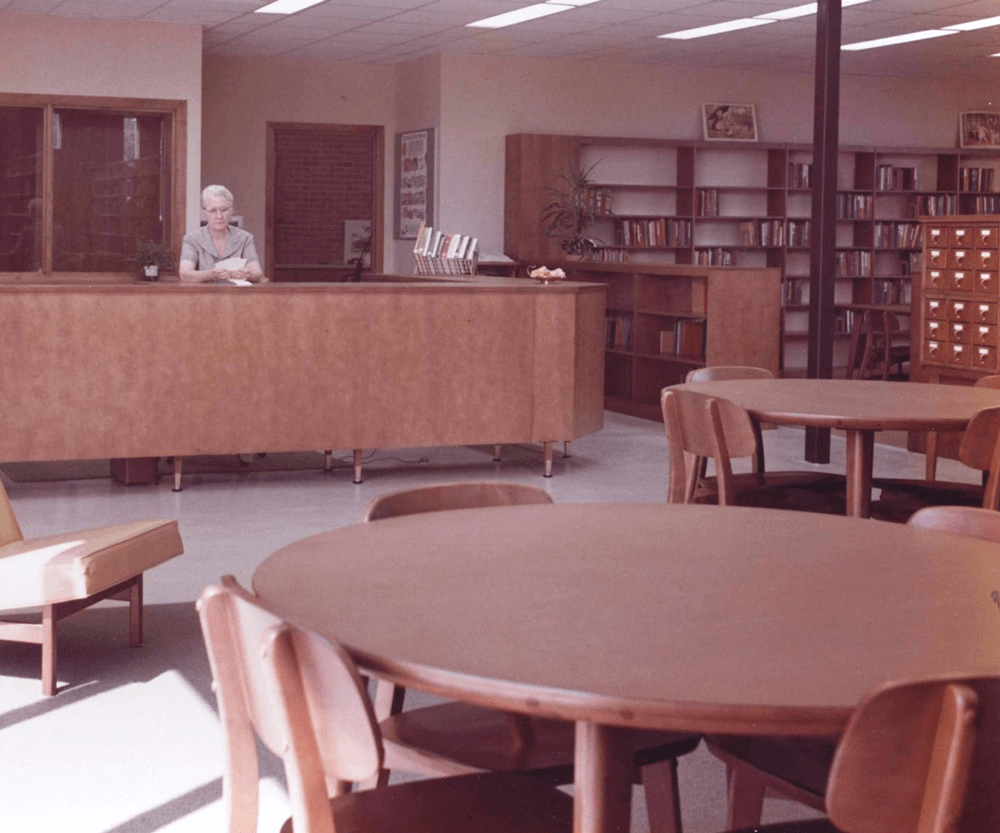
(219, 251)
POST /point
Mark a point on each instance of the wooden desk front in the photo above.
(163, 369)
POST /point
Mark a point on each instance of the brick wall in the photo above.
(321, 178)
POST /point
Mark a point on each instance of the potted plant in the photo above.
(578, 202)
(149, 258)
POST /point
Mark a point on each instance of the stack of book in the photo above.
(437, 253)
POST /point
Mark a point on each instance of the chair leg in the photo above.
(746, 799)
(178, 465)
(388, 701)
(135, 613)
(358, 458)
(663, 801)
(547, 452)
(49, 645)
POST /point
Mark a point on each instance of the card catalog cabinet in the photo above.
(958, 297)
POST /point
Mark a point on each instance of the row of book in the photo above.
(800, 175)
(985, 205)
(851, 206)
(609, 254)
(653, 232)
(934, 205)
(896, 178)
(687, 339)
(910, 263)
(853, 263)
(762, 232)
(619, 331)
(715, 257)
(975, 179)
(843, 321)
(897, 236)
(599, 200)
(799, 233)
(431, 243)
(706, 202)
(795, 291)
(889, 291)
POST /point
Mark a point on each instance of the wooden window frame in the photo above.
(175, 108)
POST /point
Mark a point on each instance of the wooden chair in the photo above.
(700, 427)
(454, 738)
(979, 450)
(873, 351)
(931, 437)
(65, 573)
(906, 760)
(303, 697)
(798, 769)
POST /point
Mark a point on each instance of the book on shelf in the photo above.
(933, 205)
(716, 256)
(619, 331)
(800, 175)
(686, 339)
(897, 235)
(852, 206)
(437, 253)
(975, 179)
(896, 178)
(792, 292)
(706, 202)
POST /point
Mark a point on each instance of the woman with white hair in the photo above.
(217, 242)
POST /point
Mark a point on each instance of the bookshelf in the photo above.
(126, 203)
(663, 321)
(749, 206)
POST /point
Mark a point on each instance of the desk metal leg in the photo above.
(178, 464)
(547, 450)
(860, 454)
(358, 455)
(602, 791)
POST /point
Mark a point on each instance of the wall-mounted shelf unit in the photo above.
(749, 206)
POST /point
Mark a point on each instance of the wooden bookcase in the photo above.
(662, 321)
(749, 206)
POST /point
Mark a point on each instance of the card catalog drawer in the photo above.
(960, 332)
(960, 354)
(960, 258)
(961, 236)
(935, 279)
(984, 312)
(985, 335)
(935, 308)
(935, 258)
(935, 330)
(985, 259)
(984, 358)
(986, 237)
(936, 236)
(959, 310)
(986, 282)
(961, 280)
(934, 351)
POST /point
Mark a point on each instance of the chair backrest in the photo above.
(992, 381)
(904, 761)
(470, 495)
(698, 427)
(301, 695)
(870, 354)
(971, 521)
(10, 530)
(980, 450)
(723, 373)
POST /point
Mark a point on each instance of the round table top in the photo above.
(853, 404)
(662, 616)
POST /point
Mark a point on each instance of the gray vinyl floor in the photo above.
(132, 742)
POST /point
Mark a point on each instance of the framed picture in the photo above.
(979, 129)
(357, 242)
(729, 122)
(414, 197)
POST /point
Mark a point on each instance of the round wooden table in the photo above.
(660, 616)
(860, 408)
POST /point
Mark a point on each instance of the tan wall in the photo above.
(242, 95)
(68, 56)
(485, 98)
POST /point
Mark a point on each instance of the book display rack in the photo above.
(749, 205)
(435, 253)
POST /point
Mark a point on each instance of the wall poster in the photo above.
(414, 182)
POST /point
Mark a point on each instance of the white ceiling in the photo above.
(391, 31)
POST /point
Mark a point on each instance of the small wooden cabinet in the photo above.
(663, 321)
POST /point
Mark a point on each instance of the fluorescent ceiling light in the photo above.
(804, 11)
(717, 28)
(572, 2)
(520, 15)
(287, 6)
(926, 34)
(972, 25)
